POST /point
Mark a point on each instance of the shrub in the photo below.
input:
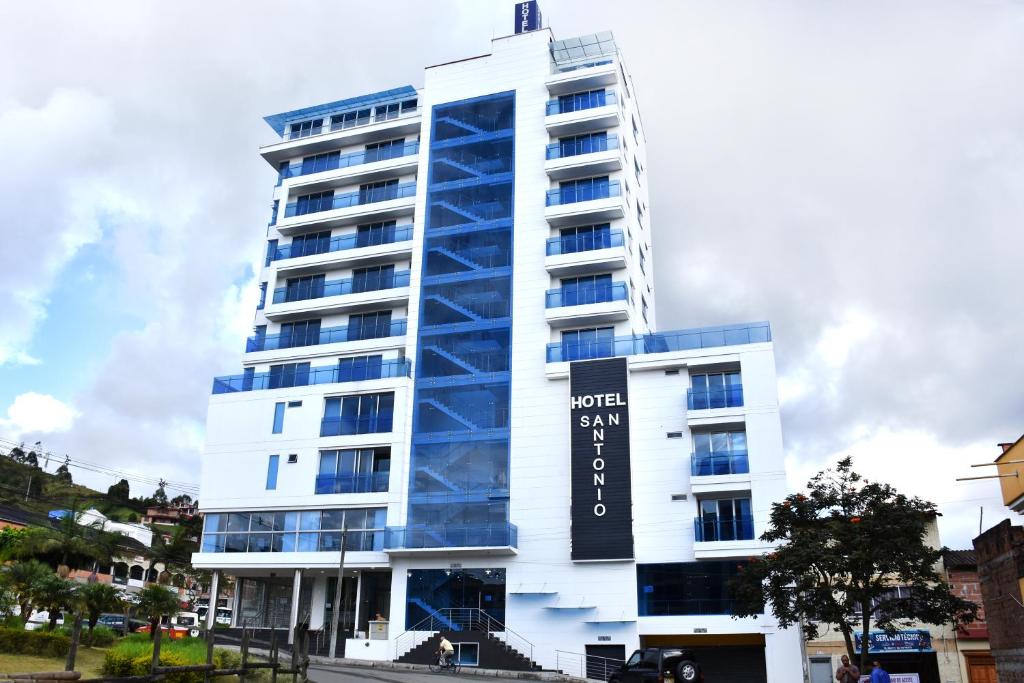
(132, 656)
(101, 636)
(38, 643)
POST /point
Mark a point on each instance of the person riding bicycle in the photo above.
(446, 650)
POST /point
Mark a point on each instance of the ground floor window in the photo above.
(454, 592)
(681, 588)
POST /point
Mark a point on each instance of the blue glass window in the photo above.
(359, 368)
(369, 325)
(686, 588)
(272, 472)
(583, 144)
(722, 452)
(350, 119)
(373, 234)
(583, 190)
(248, 375)
(301, 288)
(380, 151)
(315, 202)
(300, 333)
(328, 161)
(727, 519)
(593, 342)
(716, 390)
(278, 418)
(308, 245)
(379, 191)
(373, 278)
(273, 212)
(428, 590)
(289, 375)
(586, 289)
(263, 297)
(364, 470)
(271, 251)
(582, 100)
(359, 414)
(306, 128)
(586, 238)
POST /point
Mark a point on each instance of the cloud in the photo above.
(32, 412)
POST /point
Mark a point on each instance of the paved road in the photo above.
(320, 674)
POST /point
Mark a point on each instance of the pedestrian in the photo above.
(878, 674)
(847, 673)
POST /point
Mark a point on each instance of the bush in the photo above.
(133, 655)
(38, 643)
(101, 636)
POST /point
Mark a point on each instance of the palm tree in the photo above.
(177, 552)
(155, 602)
(97, 598)
(54, 594)
(22, 578)
(63, 543)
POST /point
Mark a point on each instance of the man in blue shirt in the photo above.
(878, 674)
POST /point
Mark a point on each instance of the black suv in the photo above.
(659, 665)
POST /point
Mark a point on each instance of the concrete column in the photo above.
(355, 611)
(211, 614)
(296, 594)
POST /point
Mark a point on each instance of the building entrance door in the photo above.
(821, 670)
(981, 668)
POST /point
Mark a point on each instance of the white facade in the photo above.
(549, 600)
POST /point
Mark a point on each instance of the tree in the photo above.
(21, 578)
(119, 491)
(160, 496)
(843, 546)
(155, 602)
(10, 540)
(63, 474)
(54, 594)
(17, 454)
(32, 460)
(175, 552)
(97, 598)
(65, 544)
(183, 499)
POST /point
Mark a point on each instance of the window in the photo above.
(585, 238)
(315, 202)
(294, 531)
(289, 375)
(726, 519)
(373, 278)
(350, 119)
(369, 325)
(380, 151)
(593, 342)
(271, 252)
(300, 333)
(373, 234)
(358, 414)
(354, 471)
(263, 296)
(643, 259)
(379, 191)
(292, 457)
(582, 144)
(686, 588)
(359, 368)
(643, 307)
(582, 100)
(278, 418)
(301, 288)
(272, 472)
(308, 245)
(720, 453)
(384, 112)
(891, 598)
(587, 289)
(715, 390)
(273, 211)
(306, 128)
(583, 190)
(328, 161)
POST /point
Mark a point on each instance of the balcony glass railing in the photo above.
(562, 150)
(333, 163)
(576, 193)
(709, 464)
(661, 342)
(581, 102)
(563, 68)
(389, 235)
(310, 376)
(706, 399)
(319, 290)
(292, 542)
(500, 534)
(357, 122)
(737, 529)
(369, 482)
(350, 199)
(362, 424)
(591, 241)
(326, 335)
(587, 294)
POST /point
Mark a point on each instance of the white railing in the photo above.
(592, 667)
(461, 619)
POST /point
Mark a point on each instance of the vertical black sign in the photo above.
(527, 16)
(602, 503)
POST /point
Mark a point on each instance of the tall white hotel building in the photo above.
(455, 358)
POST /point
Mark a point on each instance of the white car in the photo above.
(41, 619)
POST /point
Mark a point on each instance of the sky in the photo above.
(851, 172)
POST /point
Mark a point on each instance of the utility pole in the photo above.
(336, 608)
(28, 487)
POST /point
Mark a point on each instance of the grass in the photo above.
(89, 662)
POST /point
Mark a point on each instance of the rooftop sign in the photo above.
(527, 16)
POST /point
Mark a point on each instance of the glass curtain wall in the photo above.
(459, 475)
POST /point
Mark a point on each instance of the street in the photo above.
(320, 674)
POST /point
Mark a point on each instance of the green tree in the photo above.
(156, 602)
(21, 578)
(183, 499)
(55, 595)
(120, 491)
(66, 543)
(844, 545)
(97, 598)
(32, 460)
(160, 496)
(17, 454)
(173, 553)
(63, 474)
(10, 540)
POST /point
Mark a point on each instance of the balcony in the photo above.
(379, 423)
(369, 482)
(354, 249)
(352, 167)
(597, 203)
(325, 138)
(338, 296)
(600, 111)
(662, 342)
(598, 303)
(717, 464)
(361, 206)
(327, 335)
(588, 75)
(260, 381)
(712, 399)
(588, 157)
(715, 530)
(586, 253)
(318, 290)
(500, 538)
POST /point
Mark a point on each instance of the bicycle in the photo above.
(445, 664)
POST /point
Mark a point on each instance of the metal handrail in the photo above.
(461, 619)
(586, 666)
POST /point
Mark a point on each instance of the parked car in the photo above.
(41, 619)
(667, 664)
(182, 625)
(116, 622)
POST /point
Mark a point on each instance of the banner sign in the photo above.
(896, 678)
(901, 641)
(527, 16)
(602, 504)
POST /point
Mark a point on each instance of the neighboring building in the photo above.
(1010, 466)
(976, 663)
(928, 650)
(455, 337)
(171, 514)
(94, 518)
(1000, 552)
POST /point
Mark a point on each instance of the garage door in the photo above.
(732, 663)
